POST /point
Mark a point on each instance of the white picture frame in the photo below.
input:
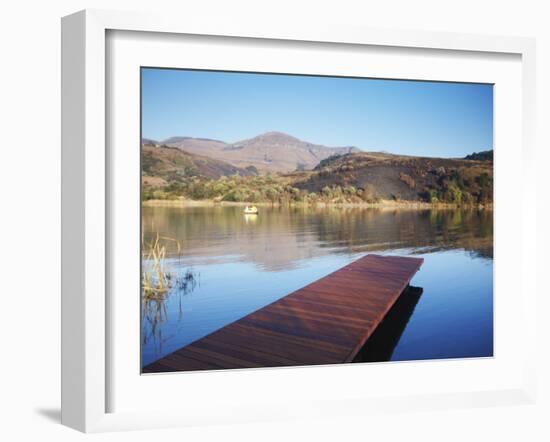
(85, 211)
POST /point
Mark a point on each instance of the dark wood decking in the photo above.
(326, 322)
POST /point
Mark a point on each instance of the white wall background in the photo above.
(30, 215)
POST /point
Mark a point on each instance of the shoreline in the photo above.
(411, 205)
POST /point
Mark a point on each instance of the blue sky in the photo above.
(403, 117)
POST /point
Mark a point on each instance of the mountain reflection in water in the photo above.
(245, 264)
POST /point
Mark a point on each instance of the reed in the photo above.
(156, 281)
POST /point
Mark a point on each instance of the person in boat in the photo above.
(251, 210)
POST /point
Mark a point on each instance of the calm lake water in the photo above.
(238, 264)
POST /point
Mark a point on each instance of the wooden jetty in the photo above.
(325, 322)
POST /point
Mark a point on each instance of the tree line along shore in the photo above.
(279, 191)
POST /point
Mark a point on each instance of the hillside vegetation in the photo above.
(163, 165)
(378, 176)
(356, 177)
(486, 155)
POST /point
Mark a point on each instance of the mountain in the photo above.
(200, 146)
(394, 177)
(161, 165)
(309, 172)
(269, 152)
(486, 155)
(149, 141)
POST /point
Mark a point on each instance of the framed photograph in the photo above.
(264, 222)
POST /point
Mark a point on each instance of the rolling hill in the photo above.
(161, 165)
(393, 177)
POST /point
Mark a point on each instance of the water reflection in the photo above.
(250, 218)
(280, 238)
(154, 311)
(243, 263)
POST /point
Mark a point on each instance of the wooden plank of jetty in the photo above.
(325, 322)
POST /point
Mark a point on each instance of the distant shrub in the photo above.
(368, 194)
(327, 161)
(486, 155)
(234, 196)
(407, 179)
(252, 169)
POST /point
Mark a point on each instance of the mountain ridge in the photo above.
(269, 152)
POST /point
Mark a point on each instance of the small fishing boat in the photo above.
(251, 210)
